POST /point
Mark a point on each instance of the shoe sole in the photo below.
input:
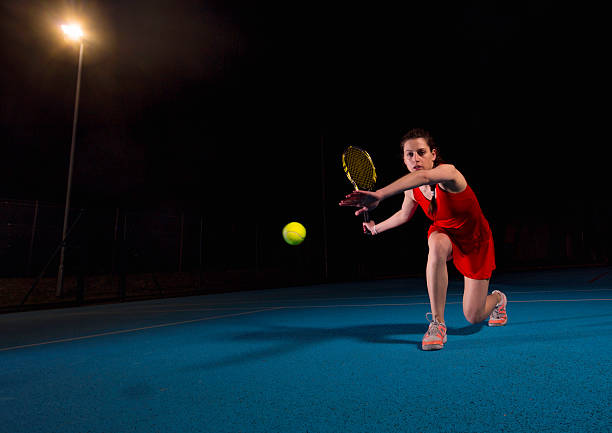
(433, 347)
(498, 324)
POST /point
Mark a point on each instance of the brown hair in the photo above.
(422, 133)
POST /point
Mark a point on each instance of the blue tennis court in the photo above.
(325, 358)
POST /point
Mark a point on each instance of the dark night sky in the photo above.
(225, 104)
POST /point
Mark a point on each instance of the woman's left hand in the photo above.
(364, 200)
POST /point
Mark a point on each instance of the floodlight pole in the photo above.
(60, 272)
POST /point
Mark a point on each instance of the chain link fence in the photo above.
(115, 254)
(119, 254)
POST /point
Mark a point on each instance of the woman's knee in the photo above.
(472, 315)
(440, 246)
(475, 300)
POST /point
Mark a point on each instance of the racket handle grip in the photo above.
(366, 218)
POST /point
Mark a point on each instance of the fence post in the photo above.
(34, 223)
(123, 261)
(256, 247)
(323, 211)
(201, 252)
(114, 248)
(180, 264)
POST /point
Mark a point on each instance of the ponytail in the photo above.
(433, 206)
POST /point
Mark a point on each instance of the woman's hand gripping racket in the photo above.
(360, 171)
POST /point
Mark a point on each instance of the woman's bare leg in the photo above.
(477, 305)
(440, 251)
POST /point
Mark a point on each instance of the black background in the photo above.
(240, 110)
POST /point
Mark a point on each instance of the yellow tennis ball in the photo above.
(294, 233)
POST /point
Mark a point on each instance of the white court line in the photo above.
(229, 305)
(424, 294)
(561, 300)
(427, 303)
(196, 308)
(125, 331)
(560, 291)
(162, 325)
(247, 301)
(232, 305)
(153, 310)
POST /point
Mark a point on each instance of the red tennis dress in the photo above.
(458, 215)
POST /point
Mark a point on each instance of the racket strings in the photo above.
(360, 168)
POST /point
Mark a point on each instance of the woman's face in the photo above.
(418, 155)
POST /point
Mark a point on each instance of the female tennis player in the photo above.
(459, 231)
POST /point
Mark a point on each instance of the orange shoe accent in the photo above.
(499, 316)
(435, 337)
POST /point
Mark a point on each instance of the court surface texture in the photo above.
(325, 358)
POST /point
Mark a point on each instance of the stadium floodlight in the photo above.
(74, 33)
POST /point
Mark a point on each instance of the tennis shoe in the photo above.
(435, 337)
(499, 316)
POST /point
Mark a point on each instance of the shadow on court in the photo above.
(290, 339)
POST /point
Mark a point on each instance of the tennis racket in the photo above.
(360, 171)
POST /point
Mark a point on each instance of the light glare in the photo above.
(72, 31)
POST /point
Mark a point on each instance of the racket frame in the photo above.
(366, 214)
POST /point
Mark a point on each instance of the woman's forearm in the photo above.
(393, 221)
(409, 181)
(444, 173)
